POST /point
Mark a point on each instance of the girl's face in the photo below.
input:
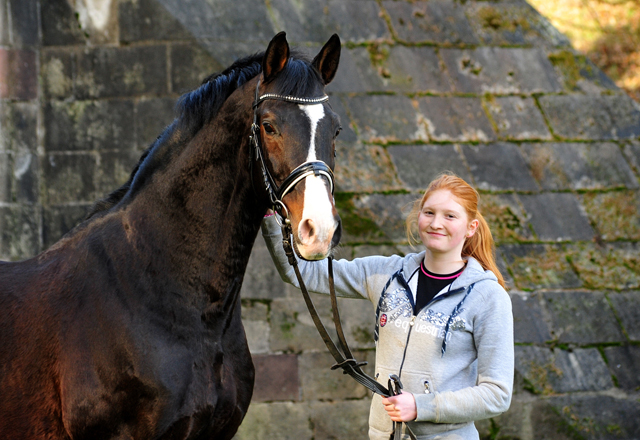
(444, 225)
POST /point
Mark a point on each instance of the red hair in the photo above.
(480, 245)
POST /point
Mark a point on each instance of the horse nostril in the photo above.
(307, 229)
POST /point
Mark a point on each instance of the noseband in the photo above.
(315, 167)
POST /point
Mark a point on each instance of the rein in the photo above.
(344, 357)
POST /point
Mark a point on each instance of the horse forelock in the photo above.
(194, 109)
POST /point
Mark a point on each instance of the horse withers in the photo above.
(129, 327)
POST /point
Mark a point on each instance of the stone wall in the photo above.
(488, 90)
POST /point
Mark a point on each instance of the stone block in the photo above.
(278, 420)
(374, 218)
(518, 118)
(441, 21)
(589, 117)
(557, 217)
(340, 420)
(512, 23)
(256, 326)
(454, 119)
(121, 71)
(20, 165)
(418, 165)
(239, 20)
(597, 416)
(143, 20)
(190, 65)
(5, 31)
(540, 266)
(21, 26)
(364, 168)
(623, 364)
(561, 166)
(292, 329)
(19, 177)
(356, 73)
(499, 166)
(582, 317)
(69, 178)
(152, 117)
(579, 74)
(632, 154)
(627, 308)
(410, 69)
(385, 118)
(347, 135)
(276, 378)
(320, 382)
(114, 170)
(89, 125)
(506, 218)
(57, 220)
(610, 266)
(229, 51)
(358, 321)
(6, 165)
(60, 27)
(57, 72)
(547, 371)
(261, 279)
(528, 320)
(355, 21)
(19, 232)
(616, 215)
(500, 70)
(18, 74)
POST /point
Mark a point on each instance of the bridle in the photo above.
(315, 167)
(344, 358)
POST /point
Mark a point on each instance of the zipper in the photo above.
(406, 345)
(427, 387)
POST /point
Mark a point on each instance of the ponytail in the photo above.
(480, 245)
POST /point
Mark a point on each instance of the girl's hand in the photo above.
(401, 408)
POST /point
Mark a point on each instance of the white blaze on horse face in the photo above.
(317, 198)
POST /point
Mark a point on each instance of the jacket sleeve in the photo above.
(493, 337)
(353, 279)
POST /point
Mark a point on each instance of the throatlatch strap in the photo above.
(348, 364)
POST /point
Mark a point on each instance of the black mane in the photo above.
(194, 109)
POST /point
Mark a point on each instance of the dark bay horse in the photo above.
(129, 327)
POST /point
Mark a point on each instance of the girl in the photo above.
(443, 318)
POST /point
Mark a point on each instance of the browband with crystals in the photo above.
(293, 99)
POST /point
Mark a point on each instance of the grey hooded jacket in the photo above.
(456, 355)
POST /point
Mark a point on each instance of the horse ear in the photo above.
(276, 56)
(328, 58)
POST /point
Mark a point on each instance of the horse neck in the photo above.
(201, 211)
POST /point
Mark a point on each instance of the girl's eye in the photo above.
(268, 128)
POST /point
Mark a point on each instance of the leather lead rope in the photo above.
(344, 359)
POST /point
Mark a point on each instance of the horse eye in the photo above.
(268, 128)
(338, 131)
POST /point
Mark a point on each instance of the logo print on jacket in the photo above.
(397, 302)
(383, 320)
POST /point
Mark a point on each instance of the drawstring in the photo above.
(454, 313)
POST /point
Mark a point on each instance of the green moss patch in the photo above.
(613, 266)
(616, 215)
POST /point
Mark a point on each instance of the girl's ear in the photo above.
(472, 227)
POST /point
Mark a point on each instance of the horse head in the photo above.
(294, 136)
